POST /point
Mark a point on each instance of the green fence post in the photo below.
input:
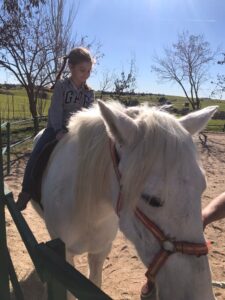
(14, 280)
(8, 147)
(56, 291)
(4, 274)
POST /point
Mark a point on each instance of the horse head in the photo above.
(160, 186)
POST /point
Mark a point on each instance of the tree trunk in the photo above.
(33, 110)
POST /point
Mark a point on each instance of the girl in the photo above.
(70, 95)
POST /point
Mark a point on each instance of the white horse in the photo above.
(136, 169)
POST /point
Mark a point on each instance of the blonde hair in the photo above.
(76, 56)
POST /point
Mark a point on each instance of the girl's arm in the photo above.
(55, 113)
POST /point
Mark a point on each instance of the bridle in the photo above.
(168, 246)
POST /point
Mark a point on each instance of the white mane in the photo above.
(165, 139)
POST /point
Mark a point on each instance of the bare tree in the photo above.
(60, 31)
(186, 63)
(23, 49)
(107, 82)
(13, 6)
(31, 43)
(126, 82)
(219, 88)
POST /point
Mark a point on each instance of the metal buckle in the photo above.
(168, 246)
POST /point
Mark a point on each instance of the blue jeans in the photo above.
(47, 136)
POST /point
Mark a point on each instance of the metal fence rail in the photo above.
(7, 126)
(49, 261)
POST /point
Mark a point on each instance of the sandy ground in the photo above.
(123, 273)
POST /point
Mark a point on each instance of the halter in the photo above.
(167, 245)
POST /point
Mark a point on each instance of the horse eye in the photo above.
(152, 200)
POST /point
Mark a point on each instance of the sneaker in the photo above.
(22, 201)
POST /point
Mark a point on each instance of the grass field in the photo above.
(14, 104)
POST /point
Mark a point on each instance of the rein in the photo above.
(168, 246)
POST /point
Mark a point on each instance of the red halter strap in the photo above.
(168, 246)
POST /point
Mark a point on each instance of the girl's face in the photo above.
(80, 72)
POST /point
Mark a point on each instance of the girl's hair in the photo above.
(76, 56)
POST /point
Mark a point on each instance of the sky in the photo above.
(140, 29)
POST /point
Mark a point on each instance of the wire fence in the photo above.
(17, 133)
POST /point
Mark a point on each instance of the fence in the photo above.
(48, 259)
(216, 127)
(15, 137)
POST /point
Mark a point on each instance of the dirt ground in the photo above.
(123, 273)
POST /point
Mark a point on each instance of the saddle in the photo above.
(38, 170)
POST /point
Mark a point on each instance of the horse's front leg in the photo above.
(96, 262)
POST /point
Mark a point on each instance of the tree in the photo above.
(23, 49)
(12, 6)
(220, 83)
(106, 82)
(126, 82)
(186, 63)
(59, 32)
(32, 43)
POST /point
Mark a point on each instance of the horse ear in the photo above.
(196, 121)
(119, 126)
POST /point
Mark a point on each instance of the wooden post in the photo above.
(4, 274)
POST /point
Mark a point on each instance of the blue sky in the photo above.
(141, 29)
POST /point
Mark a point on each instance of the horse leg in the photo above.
(96, 262)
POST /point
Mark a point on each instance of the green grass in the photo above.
(16, 106)
(216, 125)
(177, 101)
